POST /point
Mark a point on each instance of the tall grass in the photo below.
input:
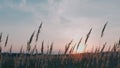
(67, 46)
(0, 37)
(79, 43)
(6, 40)
(88, 36)
(97, 58)
(29, 42)
(102, 33)
(42, 47)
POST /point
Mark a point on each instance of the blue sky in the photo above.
(63, 20)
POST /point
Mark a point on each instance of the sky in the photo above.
(63, 20)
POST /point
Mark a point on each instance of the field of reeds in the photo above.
(31, 58)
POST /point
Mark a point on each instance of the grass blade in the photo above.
(88, 36)
(6, 40)
(102, 33)
(103, 47)
(42, 47)
(29, 42)
(79, 43)
(31, 38)
(37, 35)
(51, 48)
(11, 49)
(0, 37)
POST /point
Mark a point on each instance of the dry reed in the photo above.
(37, 35)
(88, 36)
(29, 42)
(103, 47)
(102, 33)
(0, 37)
(0, 49)
(67, 47)
(10, 49)
(42, 47)
(79, 43)
(72, 49)
(6, 40)
(51, 48)
(21, 49)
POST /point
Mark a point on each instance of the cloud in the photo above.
(63, 19)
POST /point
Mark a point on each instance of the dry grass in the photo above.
(6, 40)
(98, 58)
(102, 33)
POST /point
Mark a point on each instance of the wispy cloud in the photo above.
(67, 18)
